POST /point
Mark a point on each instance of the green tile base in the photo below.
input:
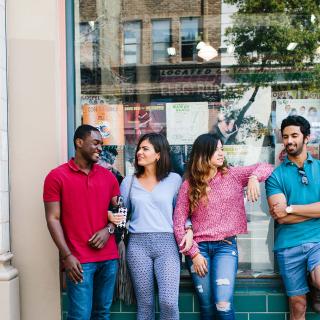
(250, 304)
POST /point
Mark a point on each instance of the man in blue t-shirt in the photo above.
(293, 192)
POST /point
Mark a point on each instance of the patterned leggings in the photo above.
(149, 256)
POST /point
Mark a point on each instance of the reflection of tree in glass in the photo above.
(260, 34)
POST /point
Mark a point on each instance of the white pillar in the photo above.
(37, 126)
(9, 281)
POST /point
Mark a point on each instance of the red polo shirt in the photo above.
(84, 202)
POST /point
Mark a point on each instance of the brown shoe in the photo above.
(315, 297)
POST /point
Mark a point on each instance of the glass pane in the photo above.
(188, 52)
(132, 32)
(131, 54)
(252, 71)
(189, 38)
(160, 53)
(161, 31)
(189, 29)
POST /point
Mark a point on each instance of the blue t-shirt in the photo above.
(151, 211)
(287, 180)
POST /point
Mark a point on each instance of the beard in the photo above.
(296, 151)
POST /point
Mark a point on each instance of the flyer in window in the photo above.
(108, 118)
(141, 118)
(186, 121)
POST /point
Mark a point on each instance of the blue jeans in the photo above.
(215, 289)
(92, 298)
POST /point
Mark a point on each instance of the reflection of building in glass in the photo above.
(135, 65)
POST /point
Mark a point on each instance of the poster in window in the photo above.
(244, 120)
(245, 155)
(108, 118)
(186, 121)
(294, 94)
(140, 119)
(307, 108)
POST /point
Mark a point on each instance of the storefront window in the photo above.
(129, 83)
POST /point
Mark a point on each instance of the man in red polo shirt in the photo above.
(76, 196)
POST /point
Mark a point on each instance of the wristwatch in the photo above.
(110, 229)
(289, 209)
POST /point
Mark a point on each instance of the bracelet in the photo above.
(253, 176)
(67, 255)
(186, 229)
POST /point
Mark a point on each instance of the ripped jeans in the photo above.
(215, 289)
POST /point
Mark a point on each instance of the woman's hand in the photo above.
(253, 189)
(115, 218)
(200, 265)
(186, 242)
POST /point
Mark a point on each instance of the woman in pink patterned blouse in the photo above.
(212, 196)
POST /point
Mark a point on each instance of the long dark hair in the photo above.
(160, 145)
(199, 167)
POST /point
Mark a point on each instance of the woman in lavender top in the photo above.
(152, 252)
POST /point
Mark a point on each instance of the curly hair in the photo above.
(199, 167)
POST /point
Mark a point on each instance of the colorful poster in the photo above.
(244, 120)
(140, 119)
(307, 108)
(186, 121)
(108, 118)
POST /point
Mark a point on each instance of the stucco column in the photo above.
(9, 281)
(37, 129)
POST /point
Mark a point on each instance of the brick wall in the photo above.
(147, 10)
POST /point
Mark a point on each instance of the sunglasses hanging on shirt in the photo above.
(304, 178)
